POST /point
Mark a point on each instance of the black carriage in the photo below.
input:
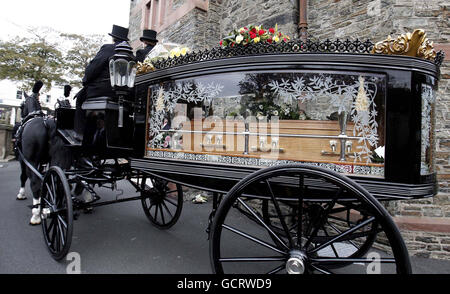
(300, 144)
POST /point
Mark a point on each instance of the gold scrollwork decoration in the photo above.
(410, 44)
(144, 67)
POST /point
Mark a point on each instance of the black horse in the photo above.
(40, 145)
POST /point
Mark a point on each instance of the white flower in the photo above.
(239, 39)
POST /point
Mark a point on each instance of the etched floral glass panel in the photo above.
(427, 145)
(335, 119)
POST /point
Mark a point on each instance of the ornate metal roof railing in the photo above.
(414, 44)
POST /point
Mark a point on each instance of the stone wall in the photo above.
(239, 13)
(135, 30)
(376, 19)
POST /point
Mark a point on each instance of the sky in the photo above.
(79, 16)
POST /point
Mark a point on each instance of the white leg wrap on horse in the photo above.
(21, 194)
(36, 213)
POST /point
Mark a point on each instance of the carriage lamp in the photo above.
(122, 73)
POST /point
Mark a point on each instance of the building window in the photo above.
(154, 14)
(147, 14)
(19, 95)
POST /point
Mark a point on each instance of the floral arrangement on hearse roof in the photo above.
(254, 34)
(161, 51)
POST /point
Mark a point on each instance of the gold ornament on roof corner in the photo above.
(413, 44)
(144, 67)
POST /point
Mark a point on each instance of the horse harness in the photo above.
(31, 116)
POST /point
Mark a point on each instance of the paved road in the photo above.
(116, 238)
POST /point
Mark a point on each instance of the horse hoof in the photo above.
(21, 195)
(35, 222)
(35, 217)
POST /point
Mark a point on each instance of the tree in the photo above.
(50, 56)
(82, 50)
(27, 60)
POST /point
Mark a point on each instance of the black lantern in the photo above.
(122, 72)
(122, 67)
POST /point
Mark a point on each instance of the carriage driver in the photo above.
(29, 109)
(31, 106)
(96, 82)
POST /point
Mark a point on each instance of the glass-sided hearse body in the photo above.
(304, 138)
(370, 117)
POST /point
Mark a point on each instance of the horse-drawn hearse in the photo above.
(300, 144)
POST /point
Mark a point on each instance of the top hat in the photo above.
(149, 35)
(37, 86)
(67, 89)
(119, 32)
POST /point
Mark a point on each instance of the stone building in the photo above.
(199, 24)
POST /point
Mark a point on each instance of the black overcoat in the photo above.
(142, 53)
(96, 76)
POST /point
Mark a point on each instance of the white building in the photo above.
(10, 94)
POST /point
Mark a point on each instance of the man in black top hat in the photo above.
(96, 75)
(149, 39)
(96, 82)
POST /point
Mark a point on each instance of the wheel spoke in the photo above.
(332, 245)
(156, 212)
(52, 197)
(63, 222)
(162, 214)
(254, 239)
(262, 223)
(62, 235)
(321, 269)
(53, 236)
(339, 237)
(300, 211)
(277, 269)
(322, 220)
(50, 227)
(54, 188)
(252, 259)
(47, 202)
(352, 260)
(171, 201)
(339, 232)
(167, 209)
(278, 210)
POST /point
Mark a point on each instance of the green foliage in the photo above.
(26, 61)
(83, 49)
(50, 56)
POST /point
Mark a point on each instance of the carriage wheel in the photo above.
(316, 240)
(56, 212)
(162, 203)
(338, 219)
